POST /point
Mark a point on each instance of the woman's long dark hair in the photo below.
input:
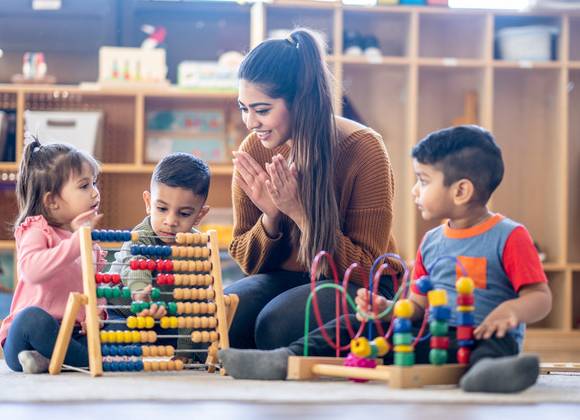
(294, 69)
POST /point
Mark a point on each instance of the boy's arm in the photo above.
(524, 269)
(134, 279)
(533, 304)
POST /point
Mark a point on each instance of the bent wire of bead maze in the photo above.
(361, 364)
(123, 346)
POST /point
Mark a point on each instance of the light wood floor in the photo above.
(213, 410)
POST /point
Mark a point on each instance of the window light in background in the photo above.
(490, 4)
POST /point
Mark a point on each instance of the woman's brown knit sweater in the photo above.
(364, 193)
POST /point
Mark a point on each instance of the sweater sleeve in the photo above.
(252, 248)
(37, 260)
(366, 229)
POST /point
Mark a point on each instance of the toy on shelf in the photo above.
(361, 363)
(33, 70)
(203, 307)
(156, 36)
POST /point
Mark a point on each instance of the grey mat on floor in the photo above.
(199, 386)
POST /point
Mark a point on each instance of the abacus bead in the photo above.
(134, 265)
(404, 308)
(172, 308)
(149, 322)
(437, 356)
(464, 285)
(132, 322)
(164, 322)
(116, 278)
(151, 265)
(134, 236)
(135, 249)
(178, 364)
(98, 278)
(155, 293)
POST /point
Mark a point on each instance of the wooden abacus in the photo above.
(213, 302)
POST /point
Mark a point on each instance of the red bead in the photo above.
(463, 355)
(106, 278)
(134, 264)
(99, 277)
(440, 343)
(151, 265)
(168, 266)
(116, 278)
(159, 265)
(170, 279)
(465, 300)
(142, 264)
(464, 332)
(161, 279)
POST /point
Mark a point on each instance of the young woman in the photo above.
(305, 180)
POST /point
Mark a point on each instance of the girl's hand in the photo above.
(362, 300)
(88, 218)
(252, 179)
(282, 186)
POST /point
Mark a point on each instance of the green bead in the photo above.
(437, 356)
(126, 293)
(172, 308)
(135, 307)
(404, 359)
(155, 293)
(439, 328)
(100, 292)
(402, 339)
(145, 305)
(116, 292)
(108, 292)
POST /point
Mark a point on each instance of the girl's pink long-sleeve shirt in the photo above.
(49, 268)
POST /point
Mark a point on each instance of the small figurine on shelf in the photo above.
(156, 36)
(33, 69)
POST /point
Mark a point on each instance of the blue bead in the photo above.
(465, 343)
(139, 365)
(402, 325)
(134, 249)
(95, 235)
(114, 366)
(439, 313)
(126, 236)
(114, 351)
(124, 366)
(105, 367)
(465, 318)
(424, 284)
(105, 350)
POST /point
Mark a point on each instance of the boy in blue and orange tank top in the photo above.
(457, 170)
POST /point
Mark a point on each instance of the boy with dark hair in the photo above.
(175, 203)
(457, 170)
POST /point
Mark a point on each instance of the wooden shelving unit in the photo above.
(432, 59)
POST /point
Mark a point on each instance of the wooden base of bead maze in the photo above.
(400, 377)
(88, 299)
(563, 367)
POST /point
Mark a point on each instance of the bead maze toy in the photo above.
(132, 349)
(361, 364)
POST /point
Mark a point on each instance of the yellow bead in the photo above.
(360, 347)
(437, 297)
(465, 308)
(464, 285)
(404, 308)
(135, 337)
(403, 349)
(140, 322)
(149, 322)
(132, 322)
(104, 337)
(173, 322)
(382, 346)
(164, 322)
(134, 236)
(119, 336)
(127, 337)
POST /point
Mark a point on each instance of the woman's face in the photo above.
(269, 118)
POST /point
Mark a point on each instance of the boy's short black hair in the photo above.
(183, 170)
(466, 151)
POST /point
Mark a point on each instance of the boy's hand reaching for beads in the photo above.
(88, 218)
(498, 322)
(362, 300)
(144, 295)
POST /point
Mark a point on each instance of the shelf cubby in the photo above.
(439, 35)
(391, 30)
(526, 117)
(557, 319)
